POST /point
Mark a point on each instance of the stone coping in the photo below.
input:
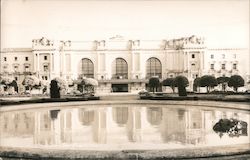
(187, 153)
(171, 103)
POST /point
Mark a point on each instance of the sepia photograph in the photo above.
(124, 79)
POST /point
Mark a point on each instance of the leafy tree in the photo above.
(153, 83)
(86, 84)
(208, 81)
(54, 89)
(184, 81)
(169, 82)
(6, 81)
(223, 81)
(9, 82)
(62, 84)
(181, 82)
(196, 84)
(31, 82)
(236, 81)
(89, 85)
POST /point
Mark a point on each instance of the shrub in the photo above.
(31, 82)
(208, 81)
(196, 84)
(223, 81)
(236, 81)
(181, 83)
(86, 84)
(153, 83)
(54, 89)
(169, 82)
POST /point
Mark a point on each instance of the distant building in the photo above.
(122, 65)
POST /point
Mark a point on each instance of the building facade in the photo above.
(122, 65)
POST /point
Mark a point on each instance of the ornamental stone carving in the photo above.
(42, 42)
(181, 42)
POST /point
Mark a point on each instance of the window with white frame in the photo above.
(211, 66)
(234, 66)
(45, 68)
(223, 66)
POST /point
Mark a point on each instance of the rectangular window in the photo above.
(16, 78)
(223, 66)
(15, 68)
(15, 58)
(45, 68)
(5, 58)
(212, 66)
(45, 77)
(193, 55)
(26, 58)
(45, 57)
(26, 69)
(212, 56)
(234, 66)
(223, 56)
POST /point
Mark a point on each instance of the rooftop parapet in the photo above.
(43, 43)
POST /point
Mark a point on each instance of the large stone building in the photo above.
(123, 65)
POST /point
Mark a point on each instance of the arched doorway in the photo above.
(153, 69)
(120, 71)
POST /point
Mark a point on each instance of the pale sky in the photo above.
(223, 23)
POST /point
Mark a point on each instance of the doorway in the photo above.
(120, 87)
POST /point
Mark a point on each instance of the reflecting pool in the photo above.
(119, 126)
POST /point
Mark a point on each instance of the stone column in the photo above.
(50, 66)
(37, 128)
(38, 65)
(188, 65)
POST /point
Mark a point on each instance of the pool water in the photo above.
(119, 127)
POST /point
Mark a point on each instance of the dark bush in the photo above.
(154, 82)
(169, 82)
(54, 90)
(208, 81)
(236, 81)
(181, 83)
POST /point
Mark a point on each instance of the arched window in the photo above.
(120, 115)
(87, 68)
(121, 69)
(153, 67)
(86, 117)
(154, 115)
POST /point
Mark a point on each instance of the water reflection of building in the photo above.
(182, 126)
(114, 125)
(17, 123)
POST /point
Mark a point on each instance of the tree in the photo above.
(236, 81)
(153, 83)
(223, 81)
(184, 81)
(181, 82)
(86, 84)
(89, 85)
(62, 84)
(8, 82)
(54, 89)
(208, 81)
(31, 82)
(196, 84)
(169, 82)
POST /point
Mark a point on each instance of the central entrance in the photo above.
(120, 87)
